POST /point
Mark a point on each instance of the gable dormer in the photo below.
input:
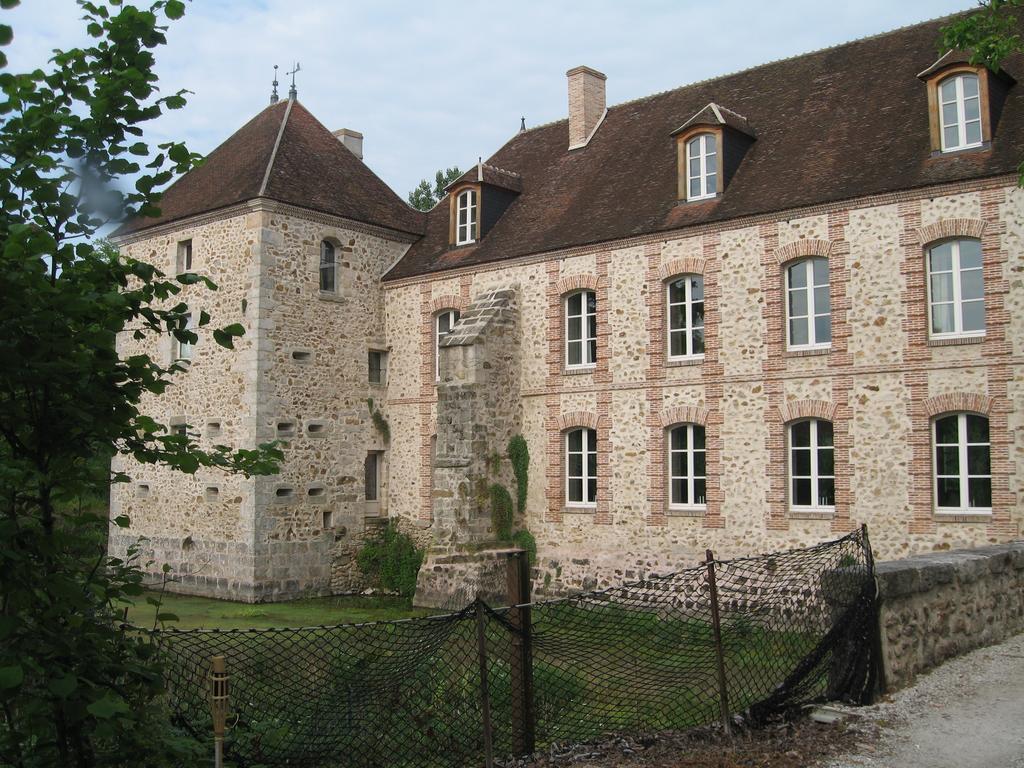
(964, 102)
(477, 199)
(709, 148)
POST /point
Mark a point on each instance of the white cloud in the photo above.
(432, 84)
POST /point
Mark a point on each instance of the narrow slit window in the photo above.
(328, 267)
(185, 350)
(443, 324)
(184, 256)
(377, 366)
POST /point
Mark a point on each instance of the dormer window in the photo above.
(465, 225)
(960, 112)
(702, 166)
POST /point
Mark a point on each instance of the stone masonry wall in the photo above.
(941, 605)
(880, 383)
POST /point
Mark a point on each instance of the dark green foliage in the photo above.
(524, 540)
(501, 512)
(425, 197)
(392, 560)
(75, 688)
(519, 455)
(379, 421)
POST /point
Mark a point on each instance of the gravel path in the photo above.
(968, 713)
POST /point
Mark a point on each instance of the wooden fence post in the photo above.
(716, 627)
(485, 696)
(521, 667)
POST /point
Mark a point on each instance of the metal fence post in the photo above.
(485, 696)
(521, 667)
(716, 628)
(219, 703)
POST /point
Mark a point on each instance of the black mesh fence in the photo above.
(792, 628)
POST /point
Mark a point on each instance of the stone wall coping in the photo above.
(921, 573)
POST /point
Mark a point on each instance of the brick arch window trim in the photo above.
(948, 229)
(448, 302)
(958, 402)
(685, 265)
(573, 283)
(796, 410)
(803, 249)
(577, 419)
(683, 414)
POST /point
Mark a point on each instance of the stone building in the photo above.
(750, 313)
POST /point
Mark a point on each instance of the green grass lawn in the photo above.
(196, 612)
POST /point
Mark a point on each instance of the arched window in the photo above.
(581, 467)
(702, 167)
(808, 305)
(581, 329)
(444, 321)
(956, 289)
(812, 483)
(328, 266)
(465, 224)
(960, 112)
(687, 466)
(963, 464)
(686, 317)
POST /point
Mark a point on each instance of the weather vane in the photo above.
(273, 93)
(292, 92)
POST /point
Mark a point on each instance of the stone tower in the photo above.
(296, 232)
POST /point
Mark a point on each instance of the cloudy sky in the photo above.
(436, 83)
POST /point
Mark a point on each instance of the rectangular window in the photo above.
(465, 225)
(183, 350)
(963, 464)
(377, 365)
(686, 317)
(581, 330)
(702, 167)
(687, 458)
(371, 481)
(444, 323)
(184, 263)
(581, 468)
(812, 466)
(808, 305)
(328, 267)
(956, 290)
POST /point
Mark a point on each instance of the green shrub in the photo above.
(519, 455)
(524, 540)
(501, 512)
(379, 421)
(392, 560)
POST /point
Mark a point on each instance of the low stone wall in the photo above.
(937, 606)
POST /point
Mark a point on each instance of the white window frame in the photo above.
(465, 233)
(688, 328)
(957, 301)
(963, 473)
(812, 310)
(589, 467)
(453, 315)
(328, 266)
(184, 256)
(691, 477)
(708, 181)
(961, 113)
(585, 338)
(815, 476)
(184, 352)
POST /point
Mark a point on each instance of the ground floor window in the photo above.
(581, 467)
(687, 466)
(963, 463)
(812, 483)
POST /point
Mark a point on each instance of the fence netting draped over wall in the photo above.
(795, 627)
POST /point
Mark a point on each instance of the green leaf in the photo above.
(166, 617)
(223, 339)
(63, 687)
(174, 9)
(107, 707)
(11, 677)
(6, 34)
(122, 521)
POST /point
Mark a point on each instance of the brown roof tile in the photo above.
(310, 169)
(839, 123)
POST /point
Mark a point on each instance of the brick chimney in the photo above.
(353, 141)
(586, 104)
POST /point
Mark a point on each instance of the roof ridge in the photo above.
(277, 143)
(762, 65)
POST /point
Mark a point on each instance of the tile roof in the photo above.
(304, 164)
(835, 124)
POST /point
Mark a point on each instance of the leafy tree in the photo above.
(425, 197)
(76, 688)
(991, 34)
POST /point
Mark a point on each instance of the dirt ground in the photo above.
(968, 713)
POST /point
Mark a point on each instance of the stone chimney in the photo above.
(353, 141)
(586, 104)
